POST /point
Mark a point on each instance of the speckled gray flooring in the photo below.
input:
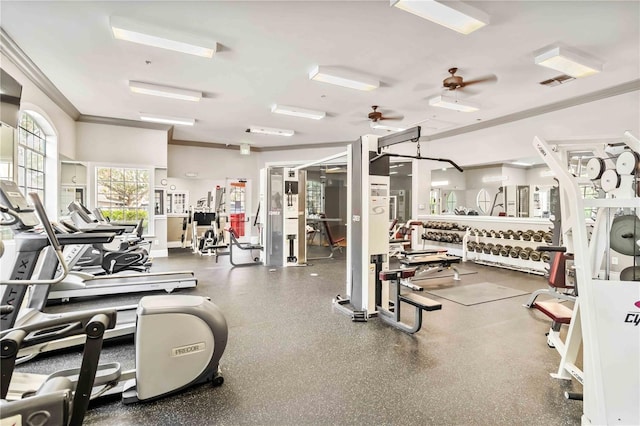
(291, 360)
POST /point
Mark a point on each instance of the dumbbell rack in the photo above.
(606, 310)
(491, 230)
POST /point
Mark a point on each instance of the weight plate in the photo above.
(610, 180)
(632, 273)
(625, 235)
(628, 163)
(595, 168)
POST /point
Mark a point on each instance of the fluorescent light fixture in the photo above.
(162, 37)
(334, 169)
(164, 91)
(154, 118)
(444, 169)
(270, 131)
(439, 183)
(567, 60)
(449, 102)
(393, 166)
(520, 163)
(376, 125)
(298, 112)
(410, 174)
(547, 173)
(245, 149)
(191, 174)
(344, 78)
(393, 173)
(488, 179)
(454, 15)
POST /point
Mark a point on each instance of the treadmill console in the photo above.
(11, 196)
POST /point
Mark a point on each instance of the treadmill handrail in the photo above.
(53, 240)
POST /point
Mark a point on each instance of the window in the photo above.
(315, 204)
(31, 156)
(123, 194)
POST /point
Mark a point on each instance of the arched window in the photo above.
(31, 156)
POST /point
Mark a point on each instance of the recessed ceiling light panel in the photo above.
(270, 131)
(455, 104)
(376, 125)
(298, 112)
(344, 78)
(567, 60)
(162, 37)
(164, 91)
(164, 119)
(454, 15)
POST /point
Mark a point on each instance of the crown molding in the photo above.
(15, 54)
(95, 119)
(236, 147)
(619, 89)
(199, 144)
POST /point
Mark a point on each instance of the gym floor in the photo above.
(291, 359)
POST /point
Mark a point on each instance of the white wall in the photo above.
(106, 143)
(109, 145)
(33, 97)
(513, 141)
(299, 156)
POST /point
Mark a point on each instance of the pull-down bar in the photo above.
(409, 135)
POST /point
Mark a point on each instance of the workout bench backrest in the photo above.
(327, 230)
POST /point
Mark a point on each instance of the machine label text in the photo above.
(188, 349)
(633, 318)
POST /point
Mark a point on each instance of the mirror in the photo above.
(483, 202)
(73, 185)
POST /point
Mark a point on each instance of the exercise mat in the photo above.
(475, 294)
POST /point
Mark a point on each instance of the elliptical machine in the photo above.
(179, 339)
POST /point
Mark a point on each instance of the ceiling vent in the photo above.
(556, 81)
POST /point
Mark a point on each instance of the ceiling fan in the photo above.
(376, 115)
(455, 82)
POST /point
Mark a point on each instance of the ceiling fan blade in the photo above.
(486, 79)
(391, 118)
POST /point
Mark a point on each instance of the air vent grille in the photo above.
(556, 81)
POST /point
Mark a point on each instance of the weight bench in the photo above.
(334, 244)
(558, 288)
(392, 315)
(568, 350)
(429, 264)
(243, 246)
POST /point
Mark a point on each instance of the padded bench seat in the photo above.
(558, 312)
(394, 274)
(431, 259)
(420, 302)
(417, 252)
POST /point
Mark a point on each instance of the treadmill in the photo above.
(37, 260)
(79, 284)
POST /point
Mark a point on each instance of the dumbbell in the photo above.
(548, 237)
(535, 255)
(496, 249)
(537, 237)
(480, 247)
(515, 252)
(504, 251)
(525, 253)
(487, 248)
(502, 234)
(471, 245)
(546, 257)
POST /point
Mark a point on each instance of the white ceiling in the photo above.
(267, 49)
